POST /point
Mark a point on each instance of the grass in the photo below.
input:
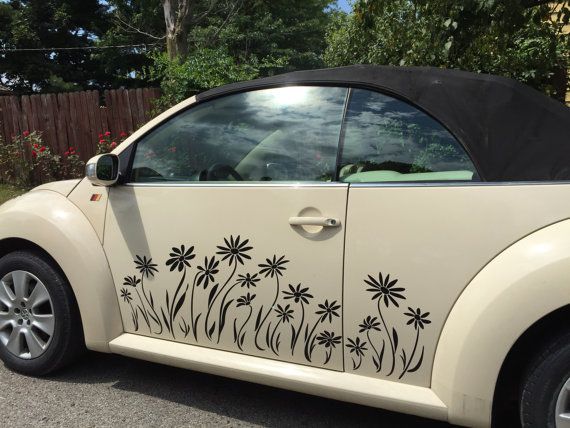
(8, 191)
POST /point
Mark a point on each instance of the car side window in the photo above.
(279, 134)
(386, 139)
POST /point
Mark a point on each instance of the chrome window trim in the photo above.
(247, 184)
(357, 185)
(459, 184)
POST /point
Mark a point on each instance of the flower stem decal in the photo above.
(245, 301)
(357, 348)
(273, 268)
(234, 251)
(180, 259)
(386, 294)
(329, 341)
(419, 320)
(302, 296)
(326, 312)
(291, 306)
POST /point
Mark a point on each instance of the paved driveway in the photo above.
(109, 390)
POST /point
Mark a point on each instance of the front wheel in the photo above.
(545, 398)
(40, 326)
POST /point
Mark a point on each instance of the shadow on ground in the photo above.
(250, 403)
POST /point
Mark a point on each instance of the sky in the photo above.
(343, 4)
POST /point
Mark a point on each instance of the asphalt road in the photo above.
(109, 390)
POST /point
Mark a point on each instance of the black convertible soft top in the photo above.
(511, 131)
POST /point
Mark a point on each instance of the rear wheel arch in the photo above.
(527, 347)
(510, 299)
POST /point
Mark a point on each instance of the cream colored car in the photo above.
(394, 237)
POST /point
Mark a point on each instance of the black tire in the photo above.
(543, 382)
(67, 341)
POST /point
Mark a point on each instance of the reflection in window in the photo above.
(389, 140)
(282, 134)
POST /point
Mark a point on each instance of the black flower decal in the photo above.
(180, 258)
(383, 288)
(328, 310)
(126, 295)
(328, 339)
(357, 347)
(269, 320)
(145, 266)
(234, 250)
(131, 281)
(273, 267)
(298, 293)
(285, 314)
(245, 300)
(248, 280)
(417, 318)
(207, 272)
(369, 323)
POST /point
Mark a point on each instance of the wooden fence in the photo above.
(75, 119)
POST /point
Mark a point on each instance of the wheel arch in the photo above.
(524, 288)
(48, 223)
(528, 346)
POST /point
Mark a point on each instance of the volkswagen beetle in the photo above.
(394, 237)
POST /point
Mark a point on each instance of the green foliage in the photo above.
(26, 24)
(107, 143)
(488, 36)
(28, 162)
(243, 40)
(16, 167)
(132, 22)
(204, 69)
(291, 31)
(8, 192)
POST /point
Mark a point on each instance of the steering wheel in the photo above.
(220, 172)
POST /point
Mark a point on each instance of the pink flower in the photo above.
(34, 154)
(26, 133)
(42, 149)
(113, 145)
(123, 134)
(101, 141)
(66, 154)
(100, 136)
(107, 134)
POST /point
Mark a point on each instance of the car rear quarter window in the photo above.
(389, 140)
(280, 134)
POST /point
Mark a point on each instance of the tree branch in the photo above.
(132, 29)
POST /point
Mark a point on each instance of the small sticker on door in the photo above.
(95, 197)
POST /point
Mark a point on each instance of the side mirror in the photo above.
(103, 170)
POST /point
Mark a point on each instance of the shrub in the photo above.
(106, 143)
(15, 164)
(28, 162)
(206, 68)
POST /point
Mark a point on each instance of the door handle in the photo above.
(314, 221)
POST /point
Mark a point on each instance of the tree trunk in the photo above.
(177, 45)
(177, 14)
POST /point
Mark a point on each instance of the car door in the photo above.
(413, 235)
(229, 233)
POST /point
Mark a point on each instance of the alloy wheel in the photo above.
(27, 319)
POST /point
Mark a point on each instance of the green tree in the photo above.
(245, 39)
(39, 24)
(521, 39)
(131, 23)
